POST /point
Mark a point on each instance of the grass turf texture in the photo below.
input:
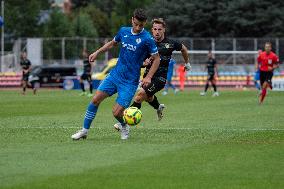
(202, 142)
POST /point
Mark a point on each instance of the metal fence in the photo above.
(229, 51)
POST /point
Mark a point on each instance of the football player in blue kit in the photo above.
(136, 45)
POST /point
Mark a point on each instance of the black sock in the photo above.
(82, 87)
(155, 103)
(206, 87)
(215, 88)
(91, 87)
(136, 104)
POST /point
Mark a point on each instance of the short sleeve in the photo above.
(276, 59)
(152, 48)
(259, 59)
(177, 46)
(117, 38)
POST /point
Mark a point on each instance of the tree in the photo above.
(223, 18)
(22, 17)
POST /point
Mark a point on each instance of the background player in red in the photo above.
(182, 77)
(268, 61)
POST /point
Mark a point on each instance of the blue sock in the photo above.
(90, 115)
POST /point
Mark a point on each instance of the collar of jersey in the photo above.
(136, 33)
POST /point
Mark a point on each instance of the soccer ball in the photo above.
(132, 116)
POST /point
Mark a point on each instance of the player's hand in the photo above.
(146, 81)
(187, 66)
(270, 69)
(93, 57)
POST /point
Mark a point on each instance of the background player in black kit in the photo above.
(165, 47)
(87, 74)
(26, 68)
(211, 67)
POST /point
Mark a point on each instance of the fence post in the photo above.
(255, 48)
(84, 43)
(63, 50)
(234, 49)
(277, 46)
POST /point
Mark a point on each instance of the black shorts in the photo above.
(210, 76)
(266, 77)
(86, 76)
(157, 84)
(25, 77)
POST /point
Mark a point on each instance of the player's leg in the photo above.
(206, 86)
(267, 78)
(154, 102)
(33, 87)
(24, 83)
(90, 115)
(106, 89)
(213, 83)
(173, 87)
(256, 81)
(182, 80)
(165, 92)
(125, 96)
(155, 86)
(24, 86)
(139, 98)
(82, 78)
(263, 84)
(90, 86)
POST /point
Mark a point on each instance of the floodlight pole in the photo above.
(2, 36)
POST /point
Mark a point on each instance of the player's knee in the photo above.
(139, 98)
(150, 99)
(117, 113)
(96, 100)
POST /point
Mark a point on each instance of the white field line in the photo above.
(164, 128)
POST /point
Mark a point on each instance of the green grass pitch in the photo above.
(203, 142)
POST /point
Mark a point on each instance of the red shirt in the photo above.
(267, 60)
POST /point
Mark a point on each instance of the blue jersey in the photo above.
(171, 69)
(134, 50)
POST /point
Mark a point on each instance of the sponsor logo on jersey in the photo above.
(129, 46)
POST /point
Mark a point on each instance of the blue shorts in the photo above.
(125, 91)
(257, 76)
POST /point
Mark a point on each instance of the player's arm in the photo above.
(215, 69)
(155, 65)
(103, 49)
(185, 56)
(275, 64)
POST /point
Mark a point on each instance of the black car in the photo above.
(51, 75)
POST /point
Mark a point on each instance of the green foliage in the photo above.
(21, 18)
(185, 18)
(224, 18)
(98, 20)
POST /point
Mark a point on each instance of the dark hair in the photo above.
(159, 21)
(268, 43)
(140, 15)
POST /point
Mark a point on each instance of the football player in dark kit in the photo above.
(26, 68)
(165, 47)
(211, 67)
(87, 74)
